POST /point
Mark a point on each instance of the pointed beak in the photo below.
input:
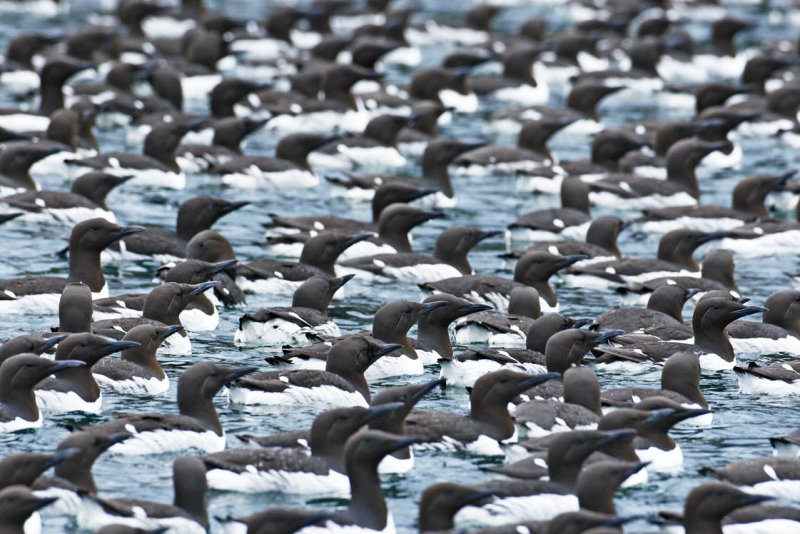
(238, 373)
(580, 323)
(9, 216)
(688, 414)
(747, 500)
(638, 466)
(358, 237)
(616, 436)
(202, 288)
(122, 179)
(466, 147)
(480, 496)
(627, 223)
(113, 439)
(715, 146)
(658, 415)
(174, 329)
(379, 410)
(427, 388)
(387, 348)
(747, 310)
(196, 125)
(372, 75)
(128, 230)
(473, 308)
(341, 281)
(233, 206)
(712, 236)
(119, 346)
(535, 380)
(605, 336)
(40, 502)
(569, 260)
(430, 306)
(223, 265)
(706, 125)
(61, 456)
(50, 343)
(430, 215)
(489, 234)
(692, 291)
(423, 193)
(63, 365)
(781, 180)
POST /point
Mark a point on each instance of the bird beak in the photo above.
(387, 348)
(202, 288)
(430, 306)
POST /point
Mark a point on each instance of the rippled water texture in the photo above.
(742, 423)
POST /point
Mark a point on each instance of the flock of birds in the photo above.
(338, 86)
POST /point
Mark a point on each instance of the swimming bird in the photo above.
(18, 376)
(195, 426)
(137, 370)
(87, 240)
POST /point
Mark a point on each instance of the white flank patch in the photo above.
(273, 286)
(763, 345)
(751, 384)
(703, 224)
(299, 396)
(769, 245)
(423, 272)
(462, 103)
(539, 184)
(92, 516)
(781, 489)
(196, 320)
(508, 339)
(789, 450)
(765, 526)
(364, 248)
(610, 200)
(535, 431)
(65, 401)
(20, 82)
(198, 87)
(19, 423)
(464, 374)
(150, 177)
(661, 460)
(713, 362)
(158, 441)
(433, 33)
(255, 178)
(428, 357)
(135, 386)
(541, 507)
(167, 27)
(377, 158)
(24, 122)
(297, 482)
(68, 503)
(387, 366)
(470, 333)
(334, 528)
(393, 464)
(54, 163)
(524, 94)
(506, 167)
(720, 160)
(177, 345)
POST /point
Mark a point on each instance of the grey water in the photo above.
(742, 423)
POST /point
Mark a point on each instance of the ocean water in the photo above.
(742, 423)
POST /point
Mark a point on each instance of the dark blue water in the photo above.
(741, 425)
